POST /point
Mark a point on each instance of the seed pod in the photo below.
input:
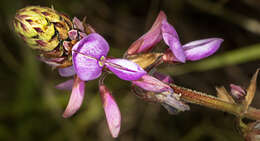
(42, 28)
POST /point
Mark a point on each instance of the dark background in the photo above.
(31, 107)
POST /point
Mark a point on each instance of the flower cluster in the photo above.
(177, 52)
(89, 57)
(87, 52)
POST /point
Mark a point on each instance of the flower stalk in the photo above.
(213, 102)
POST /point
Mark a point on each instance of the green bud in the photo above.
(42, 28)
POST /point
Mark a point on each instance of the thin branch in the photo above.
(209, 101)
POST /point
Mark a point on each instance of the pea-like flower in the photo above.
(177, 52)
(89, 57)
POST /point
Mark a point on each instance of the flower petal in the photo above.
(200, 49)
(149, 39)
(169, 29)
(171, 38)
(67, 85)
(111, 110)
(85, 56)
(94, 45)
(85, 67)
(76, 97)
(66, 72)
(125, 69)
(150, 83)
(78, 24)
(164, 78)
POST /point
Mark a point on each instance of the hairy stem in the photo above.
(209, 101)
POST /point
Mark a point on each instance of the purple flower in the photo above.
(89, 59)
(161, 29)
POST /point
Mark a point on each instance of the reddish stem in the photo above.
(209, 101)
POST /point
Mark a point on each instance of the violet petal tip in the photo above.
(200, 49)
(112, 111)
(76, 98)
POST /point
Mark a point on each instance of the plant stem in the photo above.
(209, 101)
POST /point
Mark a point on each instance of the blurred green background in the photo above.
(31, 107)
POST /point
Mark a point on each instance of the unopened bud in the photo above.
(41, 28)
(237, 92)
